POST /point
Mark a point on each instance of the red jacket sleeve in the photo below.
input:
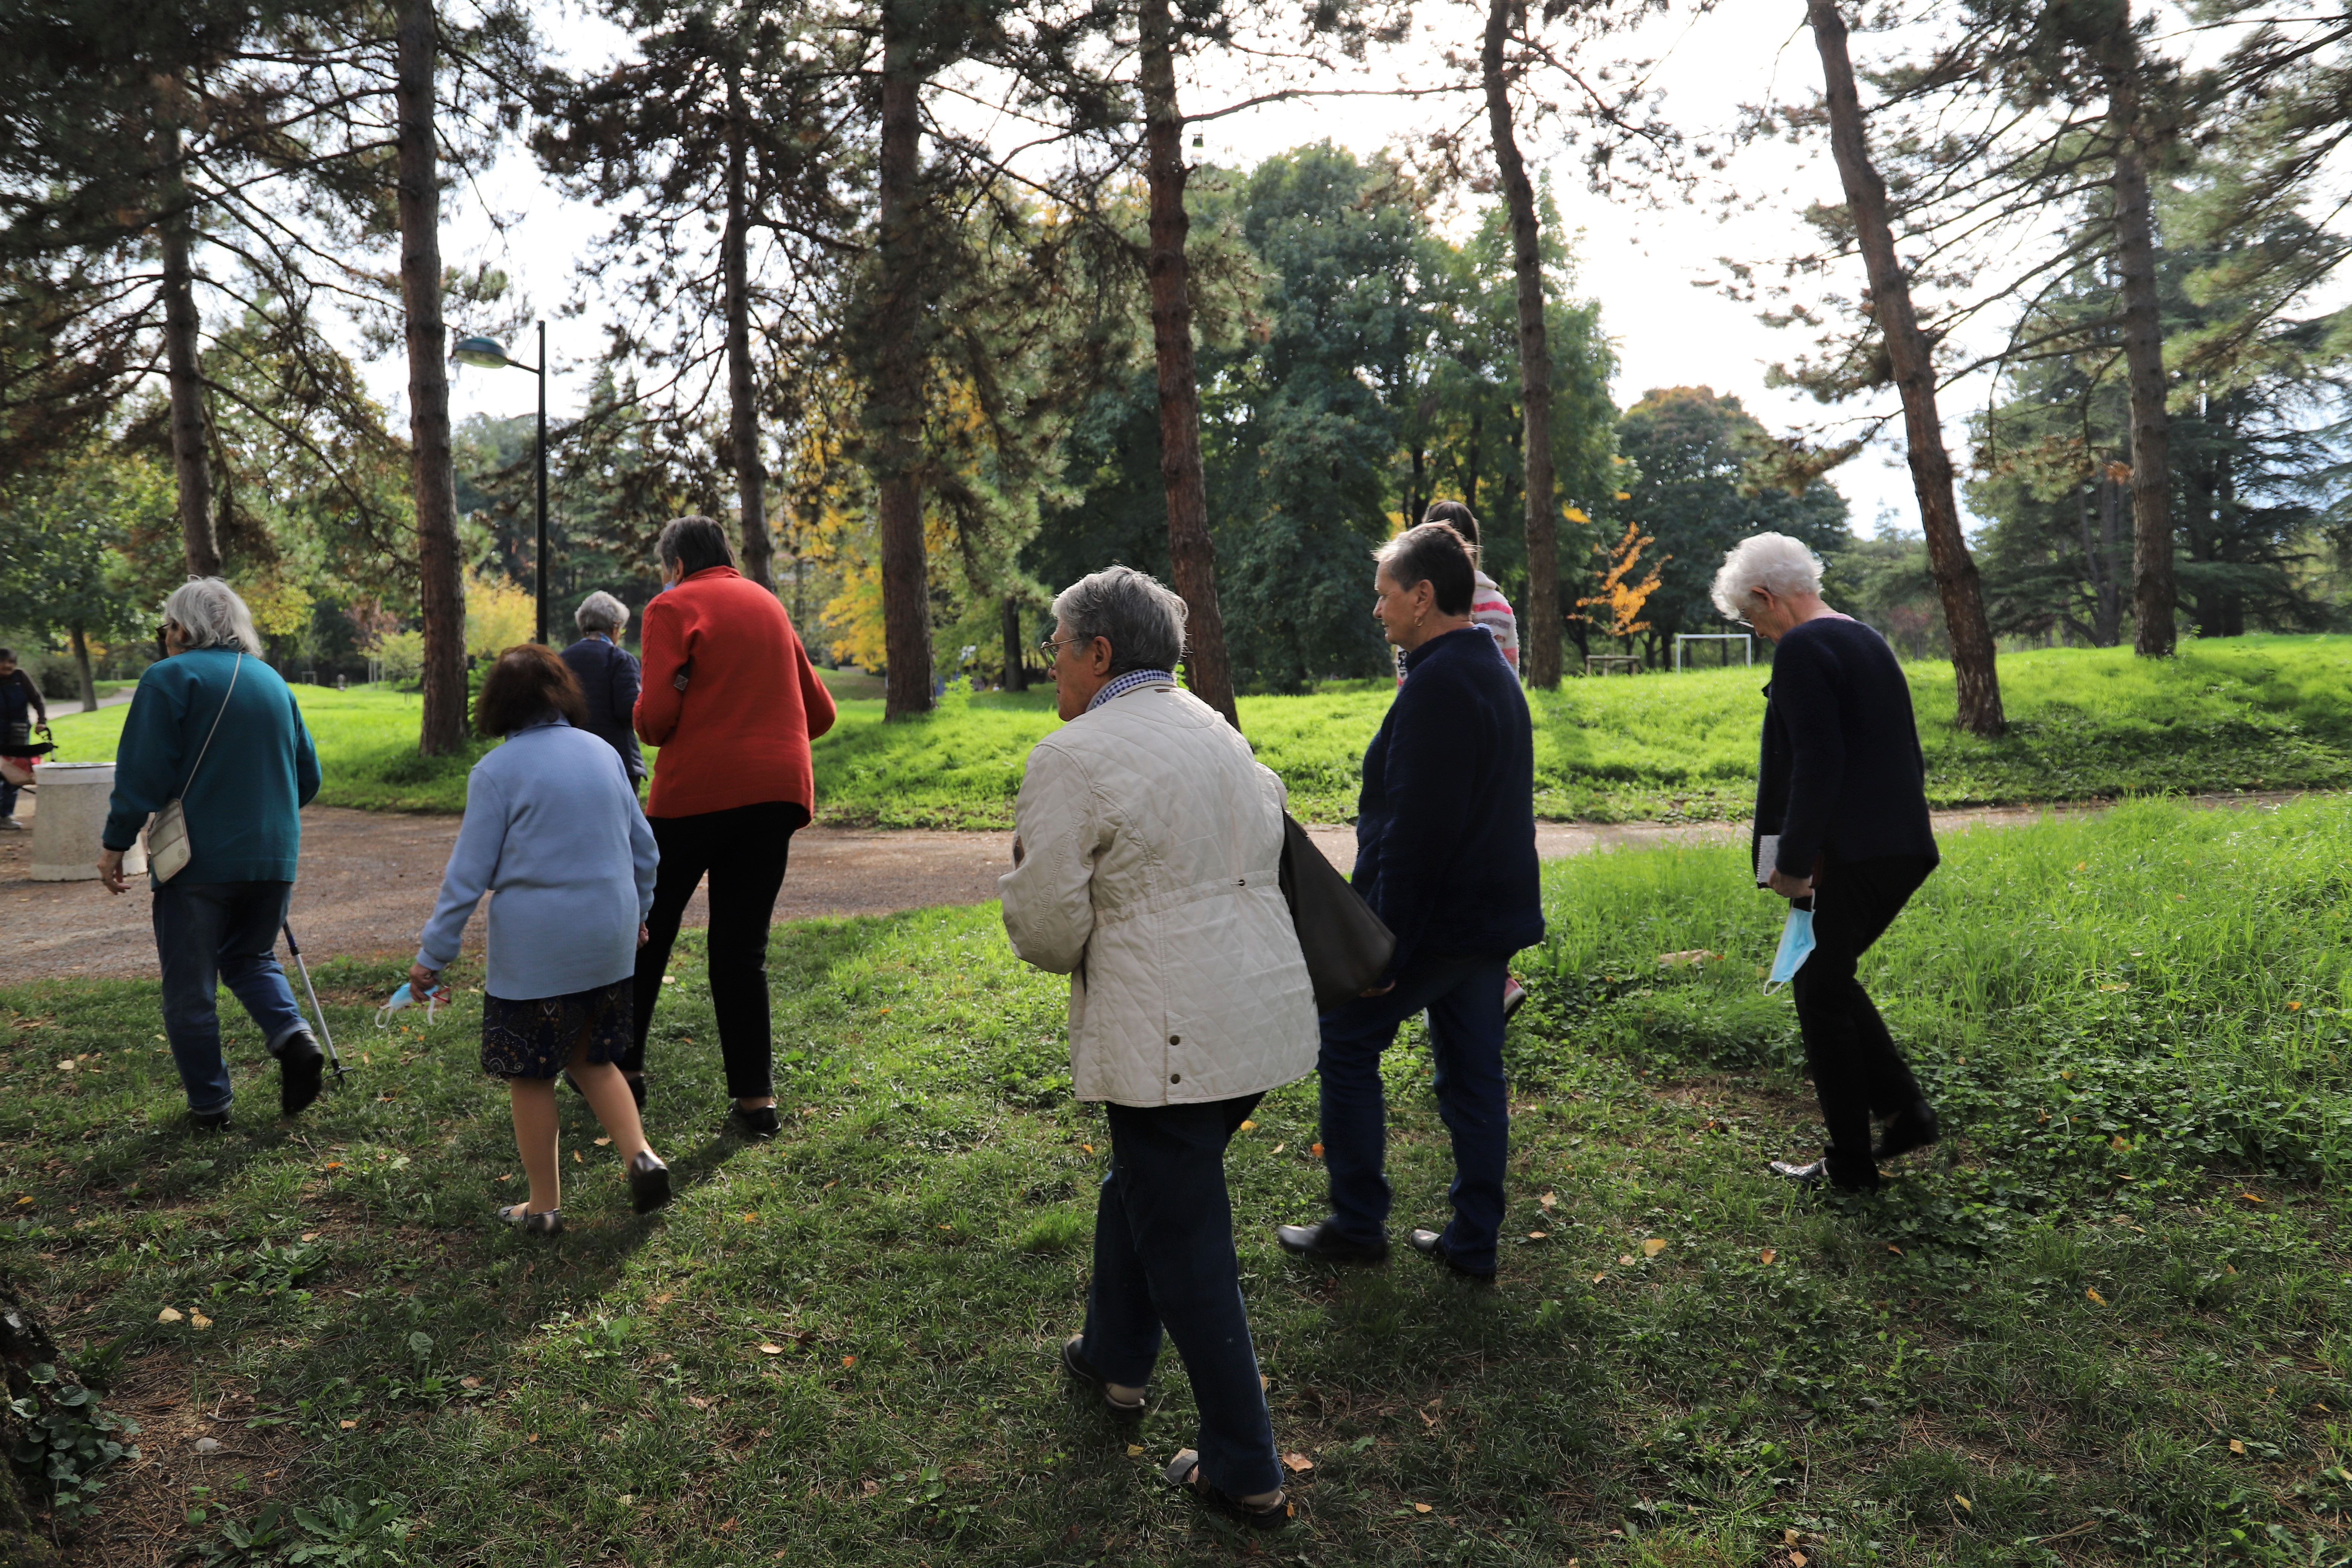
(816, 697)
(659, 701)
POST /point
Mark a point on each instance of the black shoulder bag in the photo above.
(1348, 946)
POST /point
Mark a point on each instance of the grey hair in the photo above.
(1143, 619)
(600, 611)
(1773, 561)
(210, 615)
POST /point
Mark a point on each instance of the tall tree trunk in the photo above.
(1978, 683)
(2153, 594)
(1539, 629)
(81, 669)
(743, 419)
(190, 458)
(1208, 667)
(441, 586)
(1016, 648)
(898, 379)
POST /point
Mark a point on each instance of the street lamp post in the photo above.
(490, 354)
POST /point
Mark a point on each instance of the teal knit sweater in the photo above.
(243, 808)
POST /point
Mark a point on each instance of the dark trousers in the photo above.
(1164, 1258)
(1464, 999)
(744, 850)
(8, 798)
(1857, 1072)
(208, 934)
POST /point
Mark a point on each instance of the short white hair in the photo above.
(600, 611)
(1771, 560)
(210, 615)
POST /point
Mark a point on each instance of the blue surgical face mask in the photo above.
(1796, 946)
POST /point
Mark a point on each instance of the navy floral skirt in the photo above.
(536, 1038)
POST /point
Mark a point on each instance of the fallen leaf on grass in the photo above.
(1548, 1201)
(1247, 1124)
(1278, 1148)
(1797, 1560)
(469, 1383)
(1087, 1147)
(1653, 1247)
(664, 1299)
(2251, 1197)
(1964, 1502)
(1625, 1259)
(849, 1361)
(1133, 1449)
(2236, 1446)
(350, 1426)
(767, 1349)
(2094, 1295)
(309, 1236)
(698, 1402)
(168, 1315)
(1597, 1279)
(1315, 1149)
(1894, 1249)
(1420, 1507)
(1299, 1464)
(531, 1437)
(1536, 1235)
(871, 1487)
(603, 1142)
(576, 1158)
(1766, 1256)
(197, 1320)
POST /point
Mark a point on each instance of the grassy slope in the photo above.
(2247, 714)
(2113, 1306)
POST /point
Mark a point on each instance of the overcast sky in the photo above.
(1644, 264)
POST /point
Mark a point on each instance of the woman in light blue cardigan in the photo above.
(552, 827)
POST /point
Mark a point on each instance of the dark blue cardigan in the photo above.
(1840, 772)
(609, 680)
(1446, 826)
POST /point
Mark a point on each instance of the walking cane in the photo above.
(296, 949)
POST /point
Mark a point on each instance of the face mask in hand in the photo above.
(403, 999)
(1796, 946)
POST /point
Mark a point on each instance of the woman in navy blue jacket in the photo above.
(608, 677)
(1445, 853)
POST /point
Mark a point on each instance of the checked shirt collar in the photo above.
(1133, 680)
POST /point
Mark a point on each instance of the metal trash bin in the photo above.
(69, 817)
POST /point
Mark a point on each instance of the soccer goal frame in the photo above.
(1746, 640)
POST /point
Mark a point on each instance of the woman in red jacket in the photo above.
(730, 697)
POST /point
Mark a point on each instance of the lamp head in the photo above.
(487, 352)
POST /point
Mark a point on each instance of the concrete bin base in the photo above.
(68, 817)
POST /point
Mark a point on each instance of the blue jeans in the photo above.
(1164, 1255)
(1464, 999)
(207, 933)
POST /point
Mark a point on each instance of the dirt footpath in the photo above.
(369, 879)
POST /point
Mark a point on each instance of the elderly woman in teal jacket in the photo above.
(216, 729)
(552, 827)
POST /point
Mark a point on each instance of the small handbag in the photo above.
(1348, 947)
(168, 851)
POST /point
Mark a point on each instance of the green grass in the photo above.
(2242, 713)
(2113, 1307)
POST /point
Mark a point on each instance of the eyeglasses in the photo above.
(1053, 646)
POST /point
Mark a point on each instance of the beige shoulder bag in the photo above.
(167, 836)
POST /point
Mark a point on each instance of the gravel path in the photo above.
(369, 880)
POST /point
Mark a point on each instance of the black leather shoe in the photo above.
(762, 1124)
(299, 1063)
(1075, 1362)
(1432, 1245)
(203, 1121)
(648, 1182)
(1816, 1176)
(1913, 1128)
(1320, 1242)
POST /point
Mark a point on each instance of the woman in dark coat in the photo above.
(608, 678)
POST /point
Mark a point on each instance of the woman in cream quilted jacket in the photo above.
(1146, 867)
